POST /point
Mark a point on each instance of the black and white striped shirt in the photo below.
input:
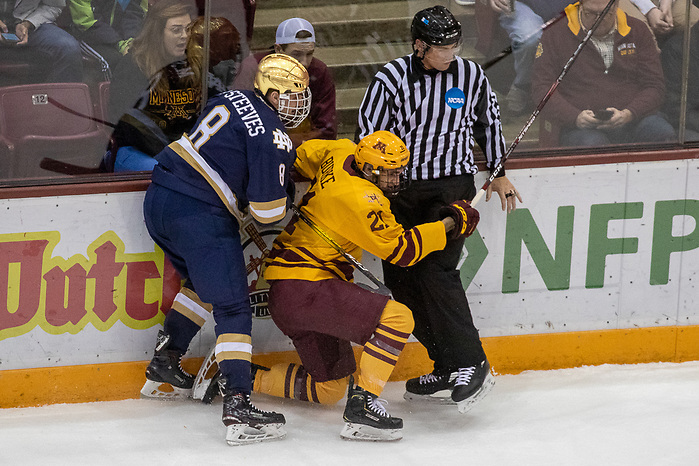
(437, 114)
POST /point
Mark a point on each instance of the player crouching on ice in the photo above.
(237, 158)
(312, 298)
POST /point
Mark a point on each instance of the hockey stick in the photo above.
(543, 102)
(57, 104)
(505, 52)
(65, 168)
(380, 287)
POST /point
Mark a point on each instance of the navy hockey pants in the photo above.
(203, 243)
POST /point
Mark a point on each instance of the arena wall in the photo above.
(599, 265)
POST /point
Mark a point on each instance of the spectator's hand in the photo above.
(507, 192)
(500, 6)
(3, 26)
(658, 22)
(618, 119)
(22, 32)
(666, 7)
(586, 119)
(465, 219)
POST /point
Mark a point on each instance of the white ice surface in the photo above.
(607, 415)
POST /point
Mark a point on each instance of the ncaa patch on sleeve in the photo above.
(455, 98)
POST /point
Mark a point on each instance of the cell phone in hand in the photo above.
(9, 37)
(603, 114)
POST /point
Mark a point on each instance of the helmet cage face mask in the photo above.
(294, 107)
(389, 180)
(286, 75)
(383, 158)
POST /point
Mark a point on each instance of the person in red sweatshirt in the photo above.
(613, 92)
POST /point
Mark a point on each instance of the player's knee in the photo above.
(331, 391)
(398, 317)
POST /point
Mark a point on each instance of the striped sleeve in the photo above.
(371, 226)
(377, 109)
(487, 129)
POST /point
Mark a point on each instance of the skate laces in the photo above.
(428, 378)
(377, 406)
(463, 377)
(253, 408)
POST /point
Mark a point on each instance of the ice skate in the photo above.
(434, 387)
(471, 385)
(366, 418)
(165, 377)
(245, 423)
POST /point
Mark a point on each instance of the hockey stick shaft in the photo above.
(65, 168)
(542, 103)
(380, 287)
(57, 104)
(507, 51)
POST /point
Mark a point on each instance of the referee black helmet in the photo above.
(435, 26)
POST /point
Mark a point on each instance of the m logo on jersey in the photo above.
(282, 140)
(455, 98)
(380, 146)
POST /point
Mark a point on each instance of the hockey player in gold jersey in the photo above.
(312, 297)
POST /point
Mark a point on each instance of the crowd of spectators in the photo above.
(627, 80)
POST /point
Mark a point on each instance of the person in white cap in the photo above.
(296, 37)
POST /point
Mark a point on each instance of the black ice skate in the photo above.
(245, 423)
(165, 377)
(435, 387)
(367, 419)
(471, 385)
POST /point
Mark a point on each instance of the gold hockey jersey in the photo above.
(353, 212)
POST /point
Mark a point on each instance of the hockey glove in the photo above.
(465, 219)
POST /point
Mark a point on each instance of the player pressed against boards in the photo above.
(235, 161)
(312, 298)
(439, 103)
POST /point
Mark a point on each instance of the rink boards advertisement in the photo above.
(592, 248)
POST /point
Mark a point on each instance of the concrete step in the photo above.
(352, 23)
(276, 4)
(355, 65)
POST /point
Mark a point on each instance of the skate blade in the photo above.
(366, 433)
(442, 397)
(205, 375)
(164, 391)
(465, 405)
(243, 434)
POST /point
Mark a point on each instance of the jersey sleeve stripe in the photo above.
(270, 211)
(183, 147)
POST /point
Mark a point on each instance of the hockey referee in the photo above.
(438, 102)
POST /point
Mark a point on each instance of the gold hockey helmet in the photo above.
(382, 158)
(289, 77)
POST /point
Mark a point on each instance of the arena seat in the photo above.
(47, 120)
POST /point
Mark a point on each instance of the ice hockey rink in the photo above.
(646, 414)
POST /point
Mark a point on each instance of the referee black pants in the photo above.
(432, 288)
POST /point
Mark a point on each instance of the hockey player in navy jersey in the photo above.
(233, 163)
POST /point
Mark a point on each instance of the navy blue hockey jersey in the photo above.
(237, 154)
